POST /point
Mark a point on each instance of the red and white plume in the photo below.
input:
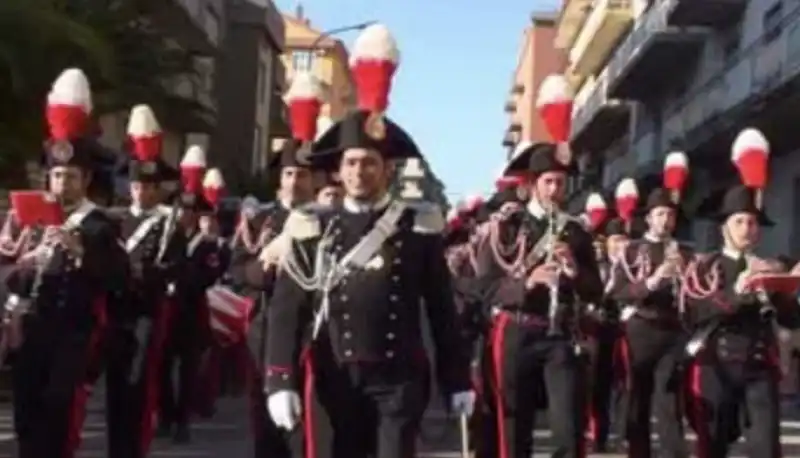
(323, 124)
(304, 99)
(144, 133)
(69, 105)
(627, 199)
(453, 219)
(554, 103)
(193, 168)
(373, 62)
(676, 173)
(213, 186)
(472, 203)
(596, 211)
(750, 155)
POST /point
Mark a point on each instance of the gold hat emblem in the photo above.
(62, 151)
(375, 126)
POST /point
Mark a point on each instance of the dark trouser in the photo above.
(654, 352)
(603, 379)
(183, 350)
(123, 410)
(521, 356)
(51, 386)
(374, 409)
(733, 397)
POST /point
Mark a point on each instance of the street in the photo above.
(227, 436)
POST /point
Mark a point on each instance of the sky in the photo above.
(457, 62)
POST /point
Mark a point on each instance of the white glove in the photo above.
(463, 403)
(285, 408)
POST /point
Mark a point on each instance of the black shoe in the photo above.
(182, 435)
(164, 430)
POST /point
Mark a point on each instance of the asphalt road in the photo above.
(226, 436)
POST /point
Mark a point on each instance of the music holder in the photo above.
(36, 208)
(774, 283)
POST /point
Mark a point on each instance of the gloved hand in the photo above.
(285, 409)
(463, 402)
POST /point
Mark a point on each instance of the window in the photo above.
(772, 22)
(302, 60)
(258, 144)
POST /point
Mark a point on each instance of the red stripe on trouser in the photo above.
(498, 352)
(77, 413)
(308, 405)
(155, 355)
(698, 410)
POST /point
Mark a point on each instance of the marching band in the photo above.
(316, 299)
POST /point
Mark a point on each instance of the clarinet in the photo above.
(552, 311)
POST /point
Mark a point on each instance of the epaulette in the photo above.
(428, 218)
(303, 223)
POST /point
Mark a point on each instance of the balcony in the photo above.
(573, 16)
(413, 169)
(510, 107)
(759, 87)
(597, 120)
(706, 13)
(644, 64)
(515, 127)
(508, 140)
(518, 89)
(599, 36)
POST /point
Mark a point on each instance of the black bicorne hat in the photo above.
(615, 226)
(538, 158)
(741, 199)
(293, 153)
(195, 202)
(362, 129)
(156, 171)
(660, 197)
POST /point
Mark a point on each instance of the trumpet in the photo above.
(755, 265)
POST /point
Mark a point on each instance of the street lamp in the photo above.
(338, 30)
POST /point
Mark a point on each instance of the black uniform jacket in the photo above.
(64, 291)
(644, 256)
(142, 234)
(726, 311)
(245, 270)
(204, 266)
(498, 289)
(374, 312)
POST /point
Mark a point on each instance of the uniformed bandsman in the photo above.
(64, 287)
(532, 292)
(189, 332)
(331, 193)
(156, 255)
(605, 416)
(733, 383)
(647, 281)
(380, 259)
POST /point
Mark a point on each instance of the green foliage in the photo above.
(128, 61)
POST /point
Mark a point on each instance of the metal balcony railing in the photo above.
(595, 101)
(653, 21)
(757, 69)
(594, 23)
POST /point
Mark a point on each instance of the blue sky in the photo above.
(458, 57)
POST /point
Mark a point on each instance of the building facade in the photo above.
(309, 49)
(197, 26)
(538, 57)
(250, 84)
(415, 181)
(689, 75)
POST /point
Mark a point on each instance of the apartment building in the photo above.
(689, 75)
(197, 26)
(249, 89)
(415, 181)
(538, 57)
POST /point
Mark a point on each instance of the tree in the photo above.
(128, 60)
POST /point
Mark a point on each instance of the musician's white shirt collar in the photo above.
(354, 206)
(536, 209)
(731, 253)
(137, 210)
(652, 238)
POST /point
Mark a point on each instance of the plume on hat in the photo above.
(69, 105)
(144, 133)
